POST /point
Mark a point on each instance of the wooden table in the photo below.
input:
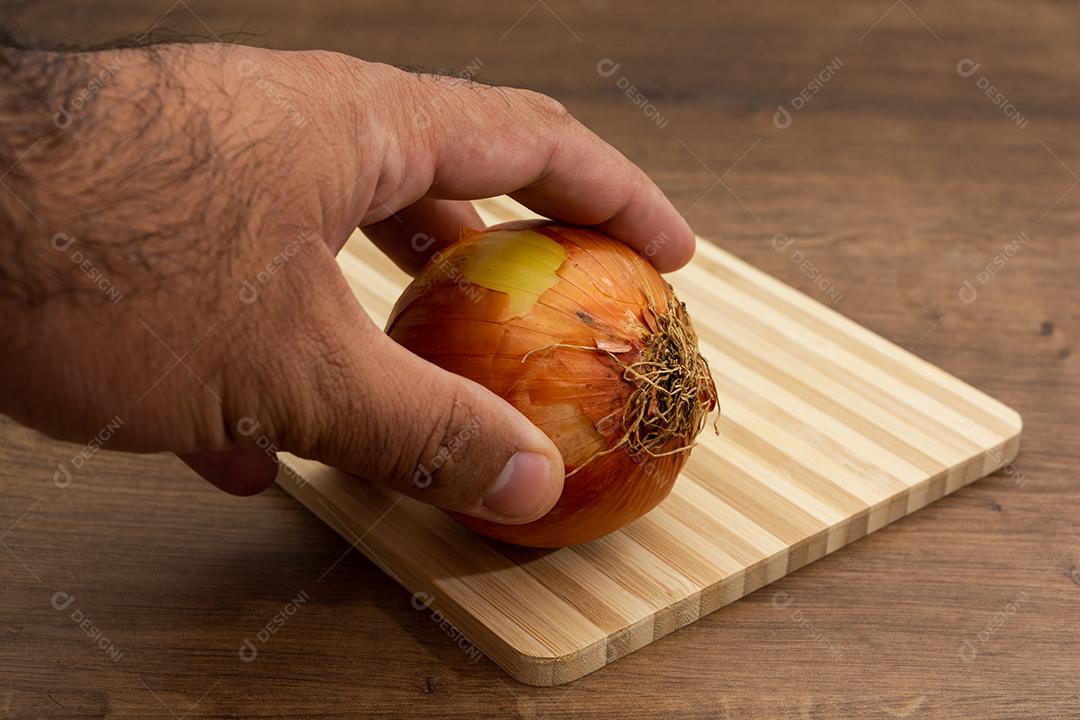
(899, 180)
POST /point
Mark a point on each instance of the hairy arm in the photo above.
(147, 188)
(136, 179)
(112, 155)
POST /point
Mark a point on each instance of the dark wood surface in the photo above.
(899, 181)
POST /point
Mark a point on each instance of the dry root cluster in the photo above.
(674, 390)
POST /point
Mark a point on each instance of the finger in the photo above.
(472, 141)
(414, 233)
(379, 412)
(239, 471)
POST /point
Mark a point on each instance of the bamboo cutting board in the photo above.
(828, 433)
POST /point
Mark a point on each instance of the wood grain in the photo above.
(899, 181)
(828, 432)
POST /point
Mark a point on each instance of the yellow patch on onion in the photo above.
(583, 336)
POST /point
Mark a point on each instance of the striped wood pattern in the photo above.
(828, 432)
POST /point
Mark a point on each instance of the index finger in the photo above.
(479, 141)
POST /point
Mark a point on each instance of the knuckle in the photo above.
(368, 84)
(333, 62)
(548, 108)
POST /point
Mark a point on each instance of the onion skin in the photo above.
(491, 306)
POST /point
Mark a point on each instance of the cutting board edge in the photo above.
(548, 671)
(542, 671)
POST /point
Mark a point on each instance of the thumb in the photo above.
(393, 418)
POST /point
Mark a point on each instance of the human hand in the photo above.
(184, 171)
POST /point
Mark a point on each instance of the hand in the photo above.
(184, 171)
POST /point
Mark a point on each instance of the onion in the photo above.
(582, 335)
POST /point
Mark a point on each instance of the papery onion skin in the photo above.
(492, 308)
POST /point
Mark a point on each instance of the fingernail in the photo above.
(522, 486)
